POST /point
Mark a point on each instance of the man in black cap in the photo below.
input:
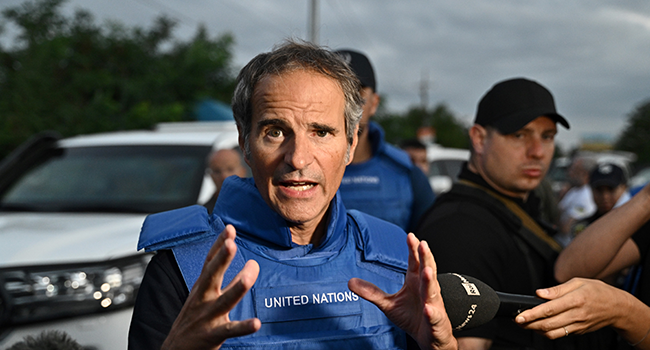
(381, 180)
(487, 226)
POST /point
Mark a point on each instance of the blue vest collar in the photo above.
(241, 204)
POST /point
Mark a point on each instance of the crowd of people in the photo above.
(327, 236)
(312, 250)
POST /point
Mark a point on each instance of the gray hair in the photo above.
(288, 57)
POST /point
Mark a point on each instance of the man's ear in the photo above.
(477, 136)
(242, 144)
(374, 103)
(353, 146)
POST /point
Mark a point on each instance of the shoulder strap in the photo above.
(190, 257)
(528, 222)
(381, 241)
(525, 238)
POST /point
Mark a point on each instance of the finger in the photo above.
(236, 290)
(228, 232)
(547, 316)
(429, 288)
(247, 276)
(369, 291)
(414, 260)
(556, 304)
(559, 290)
(236, 329)
(211, 278)
(550, 328)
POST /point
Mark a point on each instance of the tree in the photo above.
(73, 76)
(449, 132)
(636, 135)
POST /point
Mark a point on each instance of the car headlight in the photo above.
(39, 293)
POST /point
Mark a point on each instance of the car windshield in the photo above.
(139, 179)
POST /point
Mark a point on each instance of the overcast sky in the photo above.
(593, 55)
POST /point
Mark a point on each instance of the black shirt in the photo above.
(642, 240)
(467, 237)
(160, 299)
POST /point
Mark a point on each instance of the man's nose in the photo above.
(300, 152)
(535, 148)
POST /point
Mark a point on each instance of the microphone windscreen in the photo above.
(468, 301)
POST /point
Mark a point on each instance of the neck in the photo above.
(478, 170)
(304, 234)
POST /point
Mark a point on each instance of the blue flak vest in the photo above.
(301, 294)
(382, 185)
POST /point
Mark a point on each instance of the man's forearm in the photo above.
(594, 248)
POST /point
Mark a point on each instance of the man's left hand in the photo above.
(417, 308)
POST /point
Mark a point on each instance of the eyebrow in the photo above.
(279, 122)
(324, 127)
(272, 121)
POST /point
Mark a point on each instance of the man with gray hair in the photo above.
(281, 263)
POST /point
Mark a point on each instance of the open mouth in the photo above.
(298, 186)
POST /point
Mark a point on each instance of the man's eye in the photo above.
(275, 133)
(550, 137)
(322, 133)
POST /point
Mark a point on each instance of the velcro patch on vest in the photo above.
(306, 301)
(361, 180)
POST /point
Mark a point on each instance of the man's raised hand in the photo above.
(417, 308)
(203, 322)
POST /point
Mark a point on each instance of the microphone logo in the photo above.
(470, 287)
(470, 314)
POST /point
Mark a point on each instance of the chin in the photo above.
(297, 214)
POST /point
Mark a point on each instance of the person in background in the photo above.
(488, 225)
(616, 241)
(381, 180)
(221, 164)
(417, 151)
(609, 190)
(577, 203)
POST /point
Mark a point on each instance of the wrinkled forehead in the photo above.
(300, 86)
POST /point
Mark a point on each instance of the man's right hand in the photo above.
(203, 322)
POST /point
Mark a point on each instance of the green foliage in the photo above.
(449, 132)
(74, 76)
(636, 135)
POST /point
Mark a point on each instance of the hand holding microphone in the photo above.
(471, 303)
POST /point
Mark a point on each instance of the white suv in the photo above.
(70, 215)
(444, 166)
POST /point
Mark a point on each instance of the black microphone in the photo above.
(512, 305)
(471, 303)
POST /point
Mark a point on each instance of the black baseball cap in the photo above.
(607, 174)
(511, 104)
(361, 66)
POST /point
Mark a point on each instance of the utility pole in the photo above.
(313, 24)
(424, 89)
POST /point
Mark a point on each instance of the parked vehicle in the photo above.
(444, 166)
(70, 214)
